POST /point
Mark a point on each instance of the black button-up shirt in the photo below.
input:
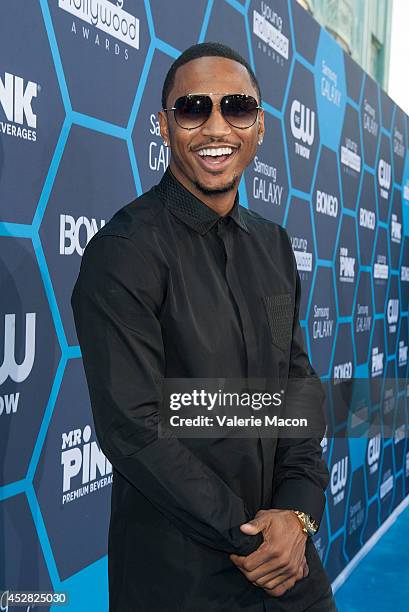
(169, 288)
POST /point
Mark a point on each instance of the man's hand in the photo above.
(279, 562)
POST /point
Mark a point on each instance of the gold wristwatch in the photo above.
(309, 526)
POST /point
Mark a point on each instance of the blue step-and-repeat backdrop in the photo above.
(80, 85)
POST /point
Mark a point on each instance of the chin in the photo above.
(223, 187)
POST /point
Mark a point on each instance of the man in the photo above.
(185, 283)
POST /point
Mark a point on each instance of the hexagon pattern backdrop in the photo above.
(80, 85)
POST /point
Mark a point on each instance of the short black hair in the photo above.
(206, 49)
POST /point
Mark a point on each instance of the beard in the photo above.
(208, 191)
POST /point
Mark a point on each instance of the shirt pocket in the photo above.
(279, 312)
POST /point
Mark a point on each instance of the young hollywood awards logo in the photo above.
(16, 96)
(70, 231)
(381, 268)
(17, 372)
(386, 484)
(106, 17)
(302, 255)
(350, 157)
(268, 27)
(85, 469)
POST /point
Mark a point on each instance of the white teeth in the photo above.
(215, 152)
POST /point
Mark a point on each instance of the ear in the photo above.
(260, 124)
(163, 126)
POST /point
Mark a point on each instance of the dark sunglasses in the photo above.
(194, 110)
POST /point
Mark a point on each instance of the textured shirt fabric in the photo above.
(170, 288)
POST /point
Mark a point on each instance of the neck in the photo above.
(221, 203)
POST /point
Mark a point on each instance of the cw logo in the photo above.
(374, 449)
(302, 122)
(339, 474)
(17, 372)
(384, 174)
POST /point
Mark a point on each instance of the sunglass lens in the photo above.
(239, 110)
(192, 111)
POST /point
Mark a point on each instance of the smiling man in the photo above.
(183, 282)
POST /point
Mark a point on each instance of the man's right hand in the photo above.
(280, 561)
(279, 590)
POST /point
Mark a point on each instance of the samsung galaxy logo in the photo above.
(363, 319)
(369, 119)
(329, 82)
(322, 327)
(398, 143)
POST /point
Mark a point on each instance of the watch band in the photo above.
(308, 524)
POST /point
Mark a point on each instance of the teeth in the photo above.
(215, 152)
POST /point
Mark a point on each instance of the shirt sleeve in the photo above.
(300, 474)
(116, 301)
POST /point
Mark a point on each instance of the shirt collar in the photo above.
(192, 211)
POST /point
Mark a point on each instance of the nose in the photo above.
(216, 125)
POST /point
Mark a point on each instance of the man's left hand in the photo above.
(282, 553)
